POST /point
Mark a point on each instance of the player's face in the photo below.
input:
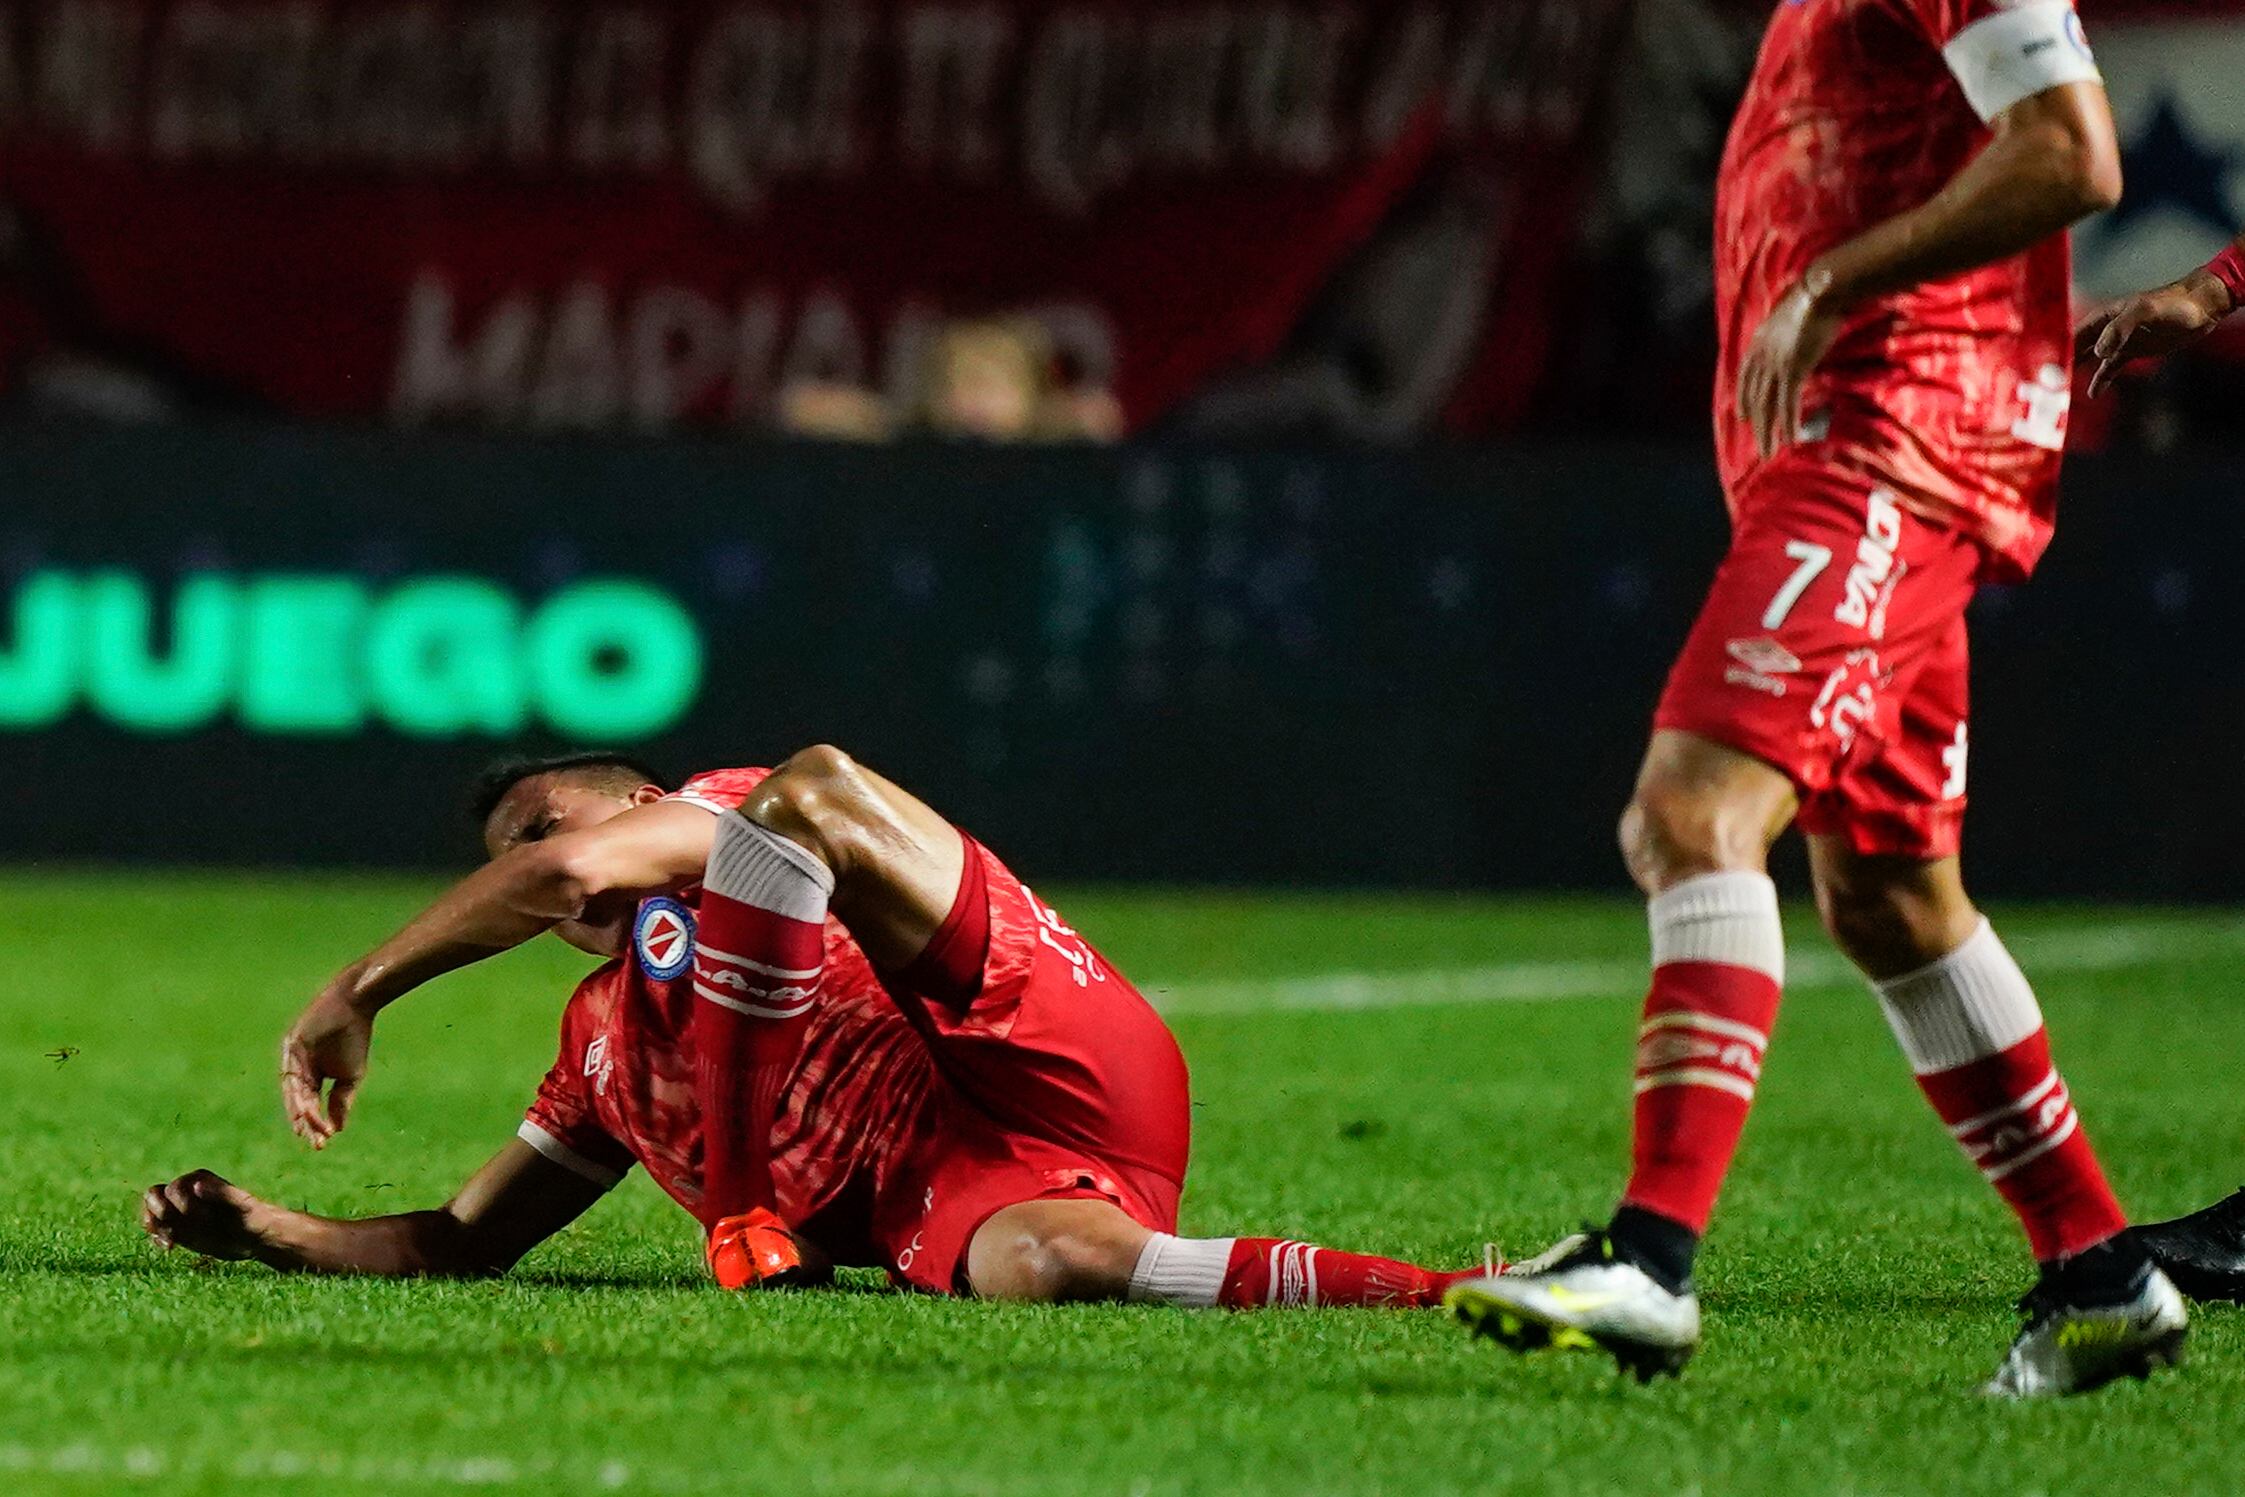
(549, 805)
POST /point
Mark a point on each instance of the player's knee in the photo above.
(1857, 919)
(1672, 831)
(1051, 1263)
(817, 797)
(1891, 926)
(1085, 1266)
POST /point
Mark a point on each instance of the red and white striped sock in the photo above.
(759, 956)
(1718, 972)
(1973, 1033)
(1254, 1273)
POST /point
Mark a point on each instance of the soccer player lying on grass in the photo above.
(915, 1063)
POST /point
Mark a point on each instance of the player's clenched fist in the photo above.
(753, 1250)
(203, 1213)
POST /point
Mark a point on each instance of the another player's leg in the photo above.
(2204, 1252)
(820, 833)
(1061, 1250)
(1696, 837)
(1970, 1025)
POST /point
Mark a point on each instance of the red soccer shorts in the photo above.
(1832, 646)
(1056, 1081)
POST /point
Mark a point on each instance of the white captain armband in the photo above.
(2020, 52)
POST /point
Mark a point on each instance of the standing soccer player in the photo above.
(1893, 279)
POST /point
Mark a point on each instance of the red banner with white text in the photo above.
(567, 215)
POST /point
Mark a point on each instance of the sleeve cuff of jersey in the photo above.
(568, 1158)
(696, 798)
(2018, 53)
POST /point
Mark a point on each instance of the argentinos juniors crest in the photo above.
(662, 937)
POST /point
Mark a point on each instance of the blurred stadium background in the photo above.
(1146, 429)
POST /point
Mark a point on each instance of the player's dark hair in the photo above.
(492, 785)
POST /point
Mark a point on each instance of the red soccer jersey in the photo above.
(1954, 392)
(622, 1089)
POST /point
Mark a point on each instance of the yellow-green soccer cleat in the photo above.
(1578, 1296)
(2072, 1347)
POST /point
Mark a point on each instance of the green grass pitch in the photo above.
(1471, 1084)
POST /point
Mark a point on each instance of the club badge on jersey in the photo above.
(662, 938)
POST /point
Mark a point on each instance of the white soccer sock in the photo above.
(755, 866)
(760, 945)
(1972, 1003)
(1730, 918)
(1187, 1271)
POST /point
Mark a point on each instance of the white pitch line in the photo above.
(110, 1467)
(2096, 948)
(148, 1463)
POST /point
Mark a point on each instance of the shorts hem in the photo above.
(1938, 835)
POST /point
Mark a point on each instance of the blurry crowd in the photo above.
(984, 380)
(999, 379)
(1624, 337)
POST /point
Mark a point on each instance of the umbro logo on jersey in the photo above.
(599, 1065)
(1764, 656)
(663, 938)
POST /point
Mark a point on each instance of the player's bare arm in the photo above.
(516, 1201)
(565, 857)
(2054, 160)
(2153, 324)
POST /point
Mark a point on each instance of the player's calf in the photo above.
(1054, 1251)
(1973, 1033)
(1891, 915)
(1969, 1023)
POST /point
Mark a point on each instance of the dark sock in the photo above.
(1662, 1247)
(2107, 1274)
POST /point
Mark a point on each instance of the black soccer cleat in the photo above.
(2204, 1253)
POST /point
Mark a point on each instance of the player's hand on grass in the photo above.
(1784, 351)
(203, 1213)
(325, 1048)
(2150, 325)
(755, 1250)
